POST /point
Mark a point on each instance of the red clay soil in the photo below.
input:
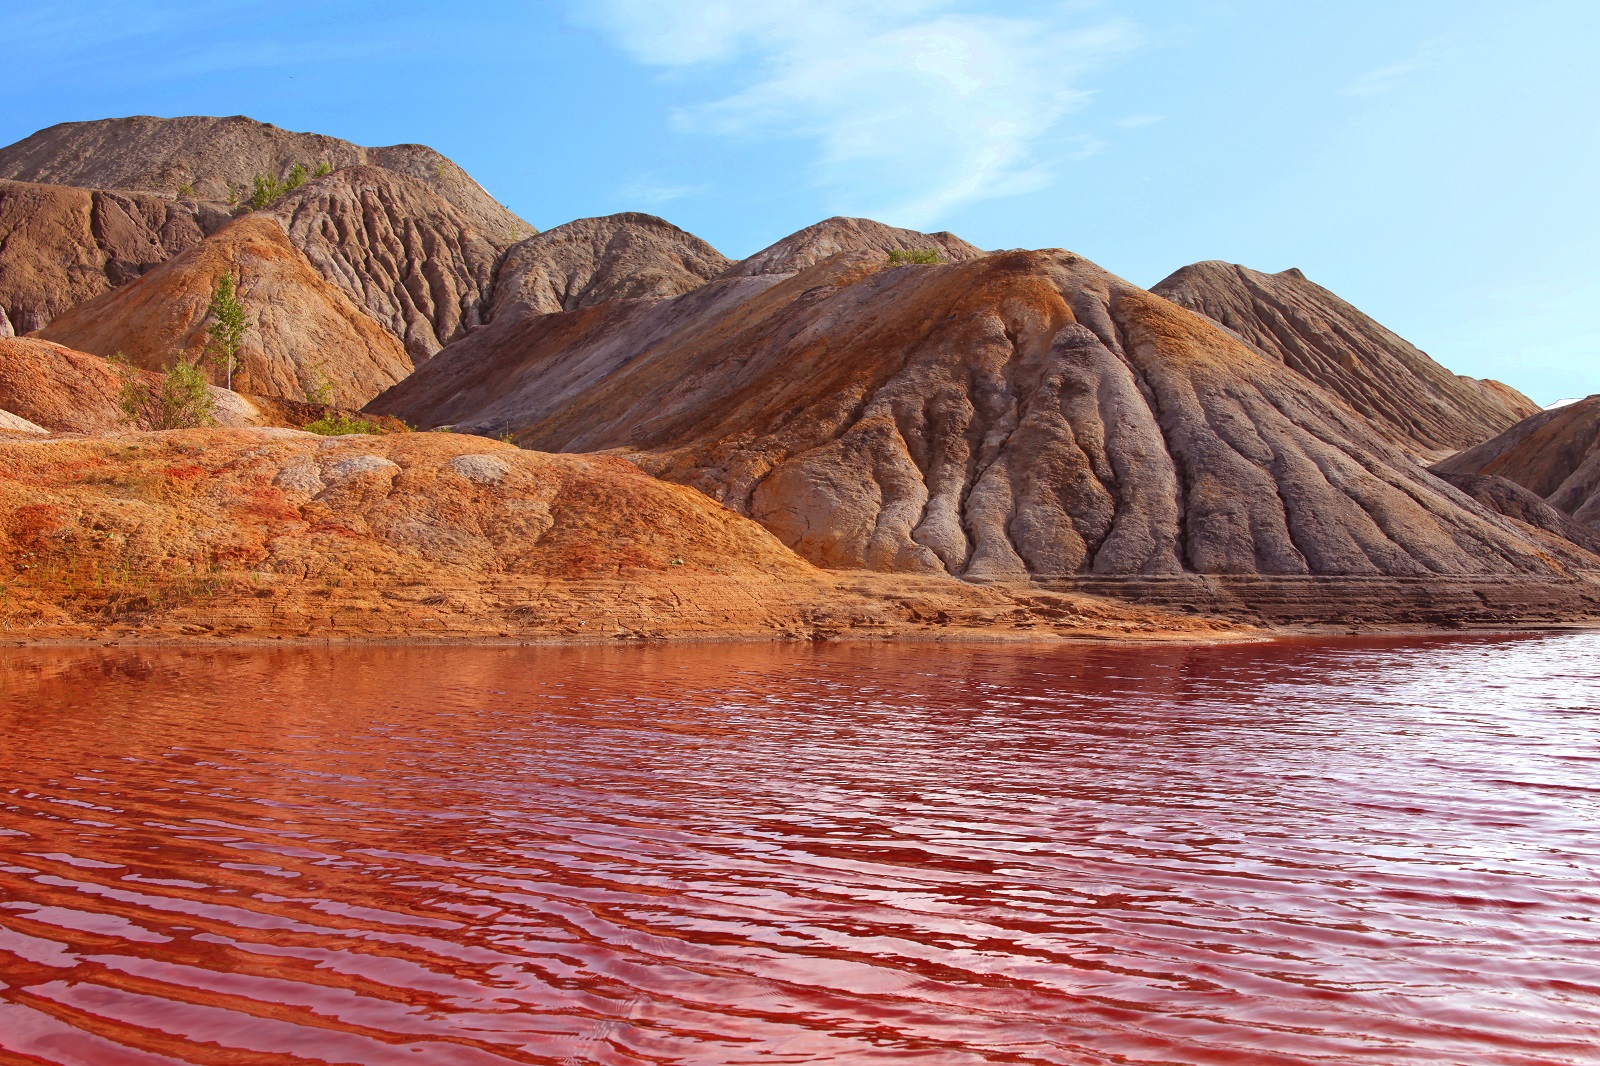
(272, 534)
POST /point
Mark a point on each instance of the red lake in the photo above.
(1362, 851)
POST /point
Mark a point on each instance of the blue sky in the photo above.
(1434, 162)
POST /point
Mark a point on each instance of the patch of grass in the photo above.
(915, 257)
(337, 425)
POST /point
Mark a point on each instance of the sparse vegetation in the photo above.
(265, 190)
(186, 189)
(233, 195)
(182, 400)
(323, 169)
(297, 177)
(338, 425)
(229, 323)
(317, 386)
(915, 257)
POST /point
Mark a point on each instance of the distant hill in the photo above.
(211, 155)
(1410, 398)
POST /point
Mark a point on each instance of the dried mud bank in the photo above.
(266, 534)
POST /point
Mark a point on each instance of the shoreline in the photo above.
(1242, 635)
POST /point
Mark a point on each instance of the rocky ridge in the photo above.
(829, 237)
(219, 156)
(401, 252)
(61, 246)
(1408, 397)
(1555, 455)
(596, 260)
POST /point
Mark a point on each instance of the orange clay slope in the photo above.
(304, 330)
(272, 534)
(1022, 417)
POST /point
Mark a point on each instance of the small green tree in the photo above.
(229, 323)
(323, 169)
(264, 190)
(297, 177)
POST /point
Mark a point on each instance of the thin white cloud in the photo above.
(654, 193)
(916, 106)
(1394, 76)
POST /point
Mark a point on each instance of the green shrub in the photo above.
(317, 386)
(182, 400)
(322, 170)
(337, 425)
(297, 177)
(265, 190)
(914, 257)
(186, 189)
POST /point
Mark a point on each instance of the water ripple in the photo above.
(1373, 851)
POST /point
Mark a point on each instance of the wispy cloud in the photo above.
(916, 106)
(654, 193)
(1394, 76)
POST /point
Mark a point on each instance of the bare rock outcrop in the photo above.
(213, 155)
(1555, 455)
(1411, 399)
(400, 251)
(304, 331)
(60, 246)
(1018, 417)
(594, 260)
(830, 237)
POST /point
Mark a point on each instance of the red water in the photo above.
(1375, 852)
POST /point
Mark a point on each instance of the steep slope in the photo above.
(214, 154)
(1413, 400)
(1021, 416)
(60, 246)
(65, 391)
(831, 236)
(1555, 455)
(277, 533)
(303, 330)
(593, 260)
(400, 251)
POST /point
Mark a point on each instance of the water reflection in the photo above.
(1373, 851)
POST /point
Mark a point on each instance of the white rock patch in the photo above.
(480, 469)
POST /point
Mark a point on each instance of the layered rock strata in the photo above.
(1408, 397)
(1555, 455)
(1018, 417)
(217, 157)
(61, 246)
(304, 332)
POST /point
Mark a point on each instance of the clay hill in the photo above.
(1554, 456)
(1408, 397)
(218, 156)
(1020, 417)
(60, 246)
(305, 331)
(860, 430)
(350, 280)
